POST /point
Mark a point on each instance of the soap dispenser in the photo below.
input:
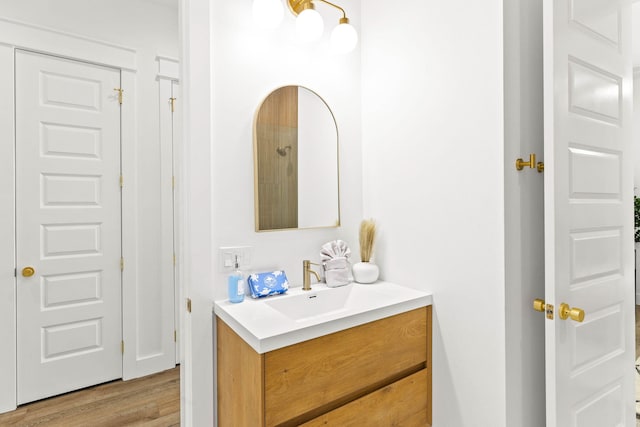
(236, 285)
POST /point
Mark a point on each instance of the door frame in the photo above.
(168, 77)
(18, 35)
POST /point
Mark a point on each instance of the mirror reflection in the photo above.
(295, 161)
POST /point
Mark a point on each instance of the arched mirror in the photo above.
(295, 161)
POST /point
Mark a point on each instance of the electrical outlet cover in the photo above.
(228, 257)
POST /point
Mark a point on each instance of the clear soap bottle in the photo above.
(235, 285)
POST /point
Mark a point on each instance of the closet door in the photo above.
(68, 225)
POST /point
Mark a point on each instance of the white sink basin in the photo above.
(310, 304)
(278, 321)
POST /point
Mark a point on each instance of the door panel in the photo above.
(588, 212)
(67, 226)
(149, 327)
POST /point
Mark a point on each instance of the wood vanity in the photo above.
(374, 374)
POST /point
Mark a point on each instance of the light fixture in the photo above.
(267, 14)
(309, 26)
(344, 37)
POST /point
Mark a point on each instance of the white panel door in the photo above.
(68, 225)
(148, 312)
(589, 212)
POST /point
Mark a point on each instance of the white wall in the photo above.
(524, 213)
(434, 181)
(246, 64)
(149, 29)
(143, 24)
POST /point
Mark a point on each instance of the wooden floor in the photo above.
(148, 401)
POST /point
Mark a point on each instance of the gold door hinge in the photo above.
(173, 104)
(175, 336)
(188, 305)
(121, 263)
(122, 346)
(173, 182)
(174, 259)
(521, 164)
(121, 181)
(120, 91)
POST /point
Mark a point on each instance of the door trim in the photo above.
(7, 233)
(168, 77)
(73, 46)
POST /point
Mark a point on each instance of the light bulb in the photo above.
(344, 38)
(309, 25)
(267, 14)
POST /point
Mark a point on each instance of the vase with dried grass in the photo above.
(366, 271)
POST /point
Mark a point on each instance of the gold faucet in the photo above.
(306, 274)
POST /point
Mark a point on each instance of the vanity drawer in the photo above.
(403, 403)
(313, 377)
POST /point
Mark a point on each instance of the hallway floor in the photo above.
(149, 401)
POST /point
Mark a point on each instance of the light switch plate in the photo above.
(228, 256)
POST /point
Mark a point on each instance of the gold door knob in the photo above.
(575, 313)
(28, 271)
(538, 305)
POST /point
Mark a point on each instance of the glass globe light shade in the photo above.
(267, 14)
(344, 38)
(309, 25)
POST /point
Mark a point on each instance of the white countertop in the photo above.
(265, 328)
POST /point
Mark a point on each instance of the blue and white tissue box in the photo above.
(270, 283)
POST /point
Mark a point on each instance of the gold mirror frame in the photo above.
(281, 182)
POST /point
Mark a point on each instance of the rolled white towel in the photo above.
(337, 277)
(335, 249)
(336, 263)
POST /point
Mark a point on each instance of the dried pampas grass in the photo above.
(367, 237)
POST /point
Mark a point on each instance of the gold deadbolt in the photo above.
(28, 271)
(538, 305)
(574, 313)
